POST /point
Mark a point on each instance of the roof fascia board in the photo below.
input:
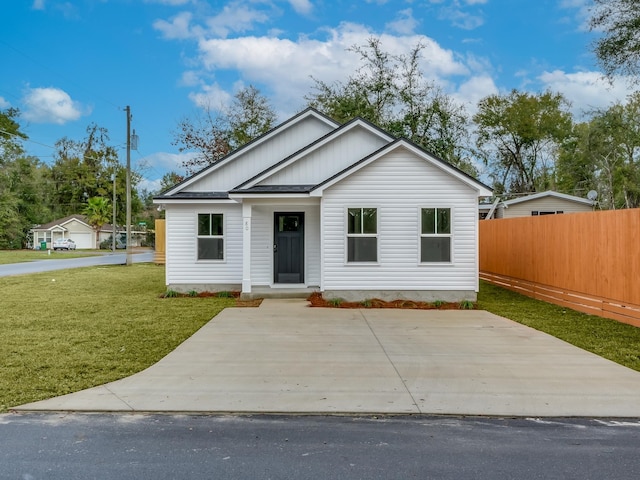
(186, 201)
(241, 196)
(309, 112)
(331, 136)
(77, 220)
(548, 193)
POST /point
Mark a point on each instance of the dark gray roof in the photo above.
(194, 195)
(275, 189)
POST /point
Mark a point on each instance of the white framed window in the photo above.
(362, 235)
(210, 236)
(44, 237)
(435, 235)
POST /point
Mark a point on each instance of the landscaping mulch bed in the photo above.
(316, 300)
(236, 295)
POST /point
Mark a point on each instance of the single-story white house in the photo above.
(75, 227)
(312, 205)
(543, 203)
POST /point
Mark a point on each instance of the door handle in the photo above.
(275, 248)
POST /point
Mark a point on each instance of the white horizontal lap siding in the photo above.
(262, 242)
(182, 265)
(259, 158)
(328, 159)
(399, 185)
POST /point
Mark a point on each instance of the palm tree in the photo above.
(98, 211)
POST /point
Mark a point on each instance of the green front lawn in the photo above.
(73, 329)
(18, 256)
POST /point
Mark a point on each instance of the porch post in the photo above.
(246, 247)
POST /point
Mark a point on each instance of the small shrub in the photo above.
(438, 303)
(170, 294)
(225, 294)
(366, 303)
(467, 305)
(335, 302)
(192, 293)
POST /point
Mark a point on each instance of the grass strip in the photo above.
(19, 256)
(73, 329)
(610, 339)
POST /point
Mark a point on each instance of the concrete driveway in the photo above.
(285, 357)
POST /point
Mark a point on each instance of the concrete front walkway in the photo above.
(285, 357)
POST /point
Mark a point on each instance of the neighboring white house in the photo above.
(74, 227)
(77, 228)
(543, 203)
(347, 210)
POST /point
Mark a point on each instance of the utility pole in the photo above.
(129, 259)
(113, 221)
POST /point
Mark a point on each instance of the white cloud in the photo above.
(211, 96)
(470, 92)
(586, 90)
(301, 6)
(161, 161)
(404, 24)
(461, 19)
(38, 5)
(50, 105)
(179, 26)
(4, 103)
(190, 78)
(265, 60)
(235, 17)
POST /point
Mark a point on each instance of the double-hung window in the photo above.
(210, 236)
(362, 235)
(435, 235)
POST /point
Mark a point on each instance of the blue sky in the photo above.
(66, 64)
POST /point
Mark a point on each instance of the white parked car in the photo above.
(64, 244)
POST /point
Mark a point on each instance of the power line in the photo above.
(26, 139)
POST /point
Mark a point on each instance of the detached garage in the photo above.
(74, 227)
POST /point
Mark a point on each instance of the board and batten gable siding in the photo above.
(328, 159)
(399, 184)
(261, 157)
(262, 239)
(545, 204)
(182, 265)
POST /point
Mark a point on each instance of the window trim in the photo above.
(436, 235)
(361, 235)
(222, 237)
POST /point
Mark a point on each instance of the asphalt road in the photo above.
(55, 446)
(62, 264)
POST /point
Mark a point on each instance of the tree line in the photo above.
(518, 142)
(79, 180)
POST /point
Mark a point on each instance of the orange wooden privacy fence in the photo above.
(586, 261)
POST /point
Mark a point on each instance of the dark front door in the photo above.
(288, 248)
